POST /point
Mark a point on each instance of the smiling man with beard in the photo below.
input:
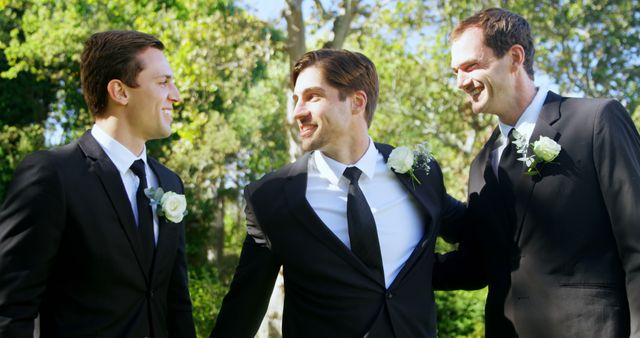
(355, 239)
(556, 239)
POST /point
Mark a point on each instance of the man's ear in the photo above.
(358, 101)
(117, 92)
(517, 56)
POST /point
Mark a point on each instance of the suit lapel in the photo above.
(295, 191)
(417, 190)
(113, 186)
(423, 194)
(166, 230)
(483, 181)
(549, 114)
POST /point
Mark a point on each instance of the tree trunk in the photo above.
(296, 45)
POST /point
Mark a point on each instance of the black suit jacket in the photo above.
(328, 291)
(570, 264)
(69, 251)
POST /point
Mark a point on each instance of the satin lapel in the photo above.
(295, 190)
(488, 184)
(112, 184)
(484, 187)
(420, 191)
(549, 114)
(166, 244)
(424, 194)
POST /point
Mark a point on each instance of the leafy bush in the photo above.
(460, 313)
(207, 291)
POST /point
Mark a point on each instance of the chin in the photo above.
(165, 132)
(310, 145)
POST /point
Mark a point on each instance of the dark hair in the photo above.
(111, 55)
(501, 30)
(344, 70)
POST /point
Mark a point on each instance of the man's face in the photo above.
(150, 105)
(487, 80)
(324, 120)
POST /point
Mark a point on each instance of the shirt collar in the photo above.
(121, 157)
(527, 121)
(332, 169)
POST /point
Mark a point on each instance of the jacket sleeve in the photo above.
(32, 222)
(180, 315)
(617, 162)
(246, 302)
(463, 268)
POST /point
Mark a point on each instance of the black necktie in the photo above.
(509, 168)
(145, 217)
(509, 171)
(362, 227)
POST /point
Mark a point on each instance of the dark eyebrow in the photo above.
(464, 64)
(310, 89)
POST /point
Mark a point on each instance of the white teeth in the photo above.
(476, 92)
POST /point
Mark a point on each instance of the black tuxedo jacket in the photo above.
(328, 291)
(570, 264)
(69, 251)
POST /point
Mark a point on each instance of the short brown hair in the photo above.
(501, 30)
(344, 70)
(111, 55)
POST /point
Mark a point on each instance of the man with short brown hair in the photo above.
(553, 194)
(354, 237)
(81, 244)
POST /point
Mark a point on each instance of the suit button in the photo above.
(389, 295)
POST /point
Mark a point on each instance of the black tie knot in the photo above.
(511, 136)
(138, 168)
(352, 174)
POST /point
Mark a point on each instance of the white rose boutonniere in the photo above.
(545, 150)
(168, 204)
(405, 160)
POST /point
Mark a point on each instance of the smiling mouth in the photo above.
(475, 93)
(168, 112)
(307, 130)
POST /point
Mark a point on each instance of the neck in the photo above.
(350, 152)
(120, 132)
(526, 91)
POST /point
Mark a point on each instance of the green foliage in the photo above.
(460, 313)
(15, 144)
(207, 292)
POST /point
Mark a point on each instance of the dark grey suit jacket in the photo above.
(570, 264)
(329, 292)
(69, 251)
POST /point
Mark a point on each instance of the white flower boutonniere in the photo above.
(168, 204)
(544, 149)
(405, 160)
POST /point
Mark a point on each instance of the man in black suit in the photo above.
(80, 243)
(557, 233)
(355, 239)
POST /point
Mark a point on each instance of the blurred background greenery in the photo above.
(232, 67)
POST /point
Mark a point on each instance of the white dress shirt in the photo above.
(122, 158)
(525, 125)
(399, 218)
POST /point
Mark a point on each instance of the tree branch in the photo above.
(342, 23)
(296, 44)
